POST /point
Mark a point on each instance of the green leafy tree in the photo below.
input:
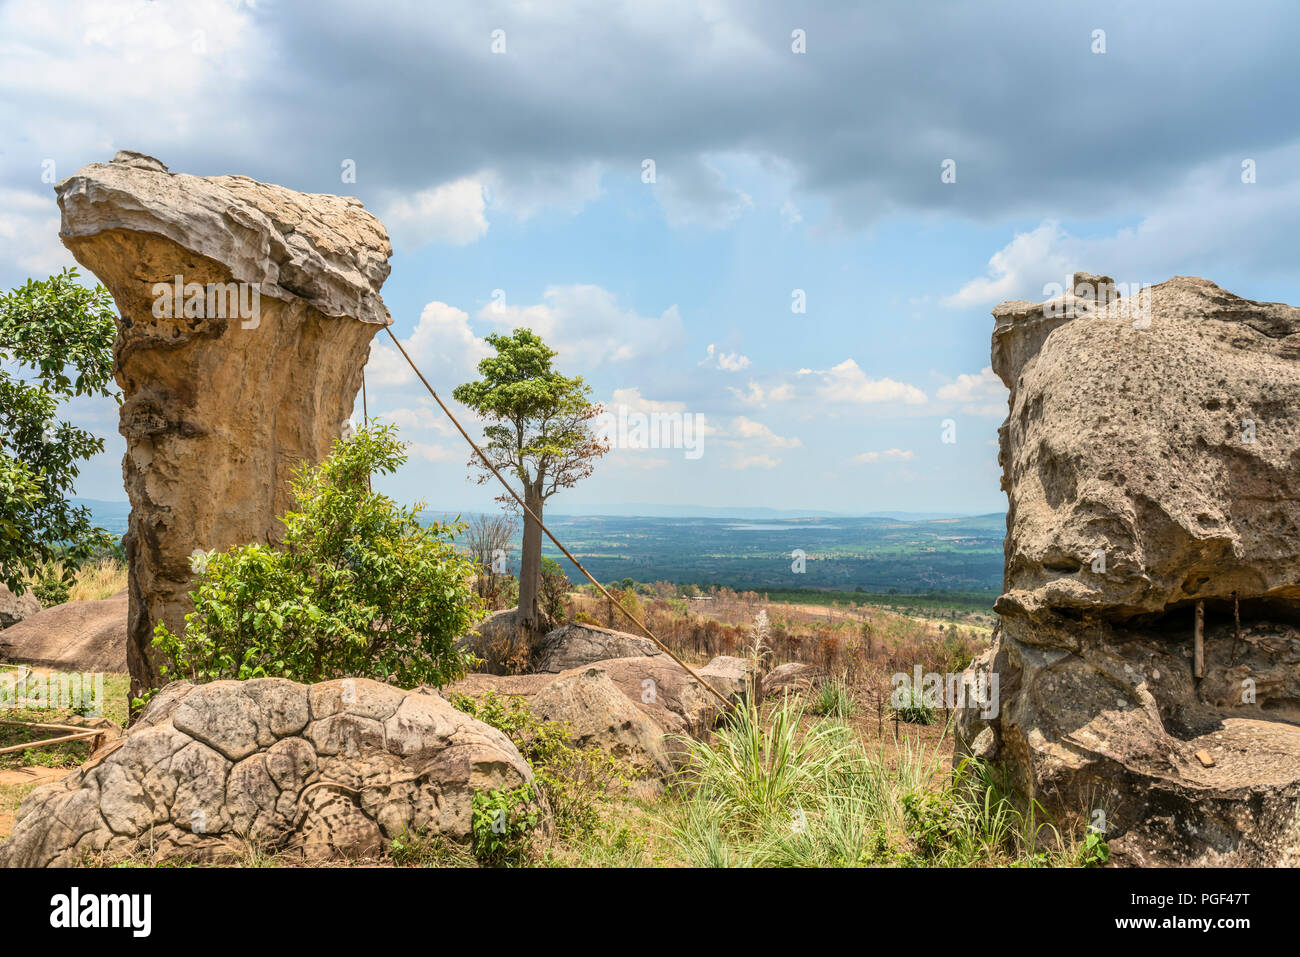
(57, 336)
(540, 433)
(360, 587)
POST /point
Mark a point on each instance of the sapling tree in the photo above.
(56, 343)
(540, 433)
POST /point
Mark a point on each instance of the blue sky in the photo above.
(775, 171)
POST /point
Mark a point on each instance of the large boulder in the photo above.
(74, 636)
(793, 677)
(1151, 460)
(335, 769)
(635, 708)
(594, 710)
(506, 649)
(14, 608)
(577, 644)
(241, 379)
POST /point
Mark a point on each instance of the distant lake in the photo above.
(778, 528)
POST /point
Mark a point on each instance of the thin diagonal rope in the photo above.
(558, 544)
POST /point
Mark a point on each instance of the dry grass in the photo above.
(94, 581)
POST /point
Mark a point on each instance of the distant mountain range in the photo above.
(113, 515)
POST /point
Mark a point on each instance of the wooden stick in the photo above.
(1198, 642)
(73, 729)
(48, 741)
(1236, 634)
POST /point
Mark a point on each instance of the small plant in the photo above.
(554, 586)
(503, 822)
(52, 590)
(914, 710)
(573, 781)
(834, 700)
(1093, 850)
(755, 767)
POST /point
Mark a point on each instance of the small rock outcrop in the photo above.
(247, 311)
(1151, 459)
(505, 648)
(74, 636)
(14, 608)
(633, 708)
(577, 644)
(331, 770)
(795, 677)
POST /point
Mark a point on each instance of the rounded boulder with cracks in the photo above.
(212, 772)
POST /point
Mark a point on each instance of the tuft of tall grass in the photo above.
(834, 700)
(754, 768)
(769, 793)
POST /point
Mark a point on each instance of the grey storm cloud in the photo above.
(1036, 122)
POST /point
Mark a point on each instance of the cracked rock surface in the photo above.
(331, 770)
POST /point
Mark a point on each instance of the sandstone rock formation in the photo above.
(577, 644)
(14, 608)
(243, 376)
(630, 707)
(1151, 460)
(505, 648)
(795, 677)
(335, 769)
(74, 636)
(593, 708)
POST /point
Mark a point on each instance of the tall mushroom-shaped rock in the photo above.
(1151, 458)
(247, 311)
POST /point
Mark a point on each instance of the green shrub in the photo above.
(914, 709)
(573, 781)
(834, 700)
(553, 587)
(359, 587)
(504, 820)
(53, 589)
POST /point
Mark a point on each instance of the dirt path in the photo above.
(14, 785)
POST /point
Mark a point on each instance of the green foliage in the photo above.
(914, 710)
(768, 796)
(539, 431)
(359, 588)
(834, 700)
(540, 418)
(59, 336)
(503, 822)
(1093, 851)
(51, 590)
(573, 780)
(753, 768)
